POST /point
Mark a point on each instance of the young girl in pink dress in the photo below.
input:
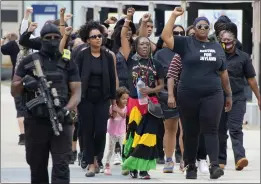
(117, 125)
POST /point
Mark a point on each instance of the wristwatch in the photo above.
(3, 38)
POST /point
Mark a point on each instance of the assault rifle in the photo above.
(46, 96)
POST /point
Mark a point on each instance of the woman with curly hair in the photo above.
(97, 72)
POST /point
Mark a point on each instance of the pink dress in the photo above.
(117, 126)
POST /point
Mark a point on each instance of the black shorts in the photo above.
(169, 113)
(20, 109)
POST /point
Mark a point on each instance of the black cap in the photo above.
(49, 28)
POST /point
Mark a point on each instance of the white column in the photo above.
(183, 17)
(152, 12)
(253, 112)
(96, 12)
(84, 10)
(119, 9)
(256, 40)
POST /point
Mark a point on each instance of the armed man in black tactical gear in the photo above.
(51, 88)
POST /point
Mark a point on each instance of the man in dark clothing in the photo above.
(39, 136)
(240, 68)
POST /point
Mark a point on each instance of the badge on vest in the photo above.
(66, 55)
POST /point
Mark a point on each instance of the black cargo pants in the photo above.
(39, 142)
(233, 122)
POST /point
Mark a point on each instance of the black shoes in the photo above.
(73, 157)
(191, 171)
(215, 171)
(21, 139)
(81, 162)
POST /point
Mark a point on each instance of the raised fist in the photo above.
(146, 17)
(67, 17)
(178, 11)
(62, 11)
(29, 10)
(68, 30)
(32, 27)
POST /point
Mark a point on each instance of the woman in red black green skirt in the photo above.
(140, 149)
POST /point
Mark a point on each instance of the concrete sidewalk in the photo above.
(14, 168)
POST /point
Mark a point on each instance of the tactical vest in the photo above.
(56, 74)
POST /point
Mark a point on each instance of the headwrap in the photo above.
(199, 19)
(220, 23)
(49, 28)
(231, 27)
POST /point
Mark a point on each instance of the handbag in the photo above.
(155, 109)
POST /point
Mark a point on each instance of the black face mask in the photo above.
(51, 47)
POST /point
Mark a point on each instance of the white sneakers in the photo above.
(117, 159)
(203, 166)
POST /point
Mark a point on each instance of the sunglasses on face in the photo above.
(181, 33)
(95, 36)
(202, 26)
(51, 37)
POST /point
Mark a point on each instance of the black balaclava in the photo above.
(50, 47)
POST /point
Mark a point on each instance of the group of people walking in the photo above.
(182, 93)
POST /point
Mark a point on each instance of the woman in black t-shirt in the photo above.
(140, 149)
(200, 94)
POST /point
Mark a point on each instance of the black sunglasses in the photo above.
(202, 26)
(51, 37)
(95, 36)
(181, 33)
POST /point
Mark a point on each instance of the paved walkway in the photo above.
(14, 168)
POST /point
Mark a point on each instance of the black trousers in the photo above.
(39, 141)
(161, 132)
(232, 121)
(200, 114)
(93, 118)
(202, 153)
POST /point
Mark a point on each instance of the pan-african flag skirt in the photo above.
(139, 148)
